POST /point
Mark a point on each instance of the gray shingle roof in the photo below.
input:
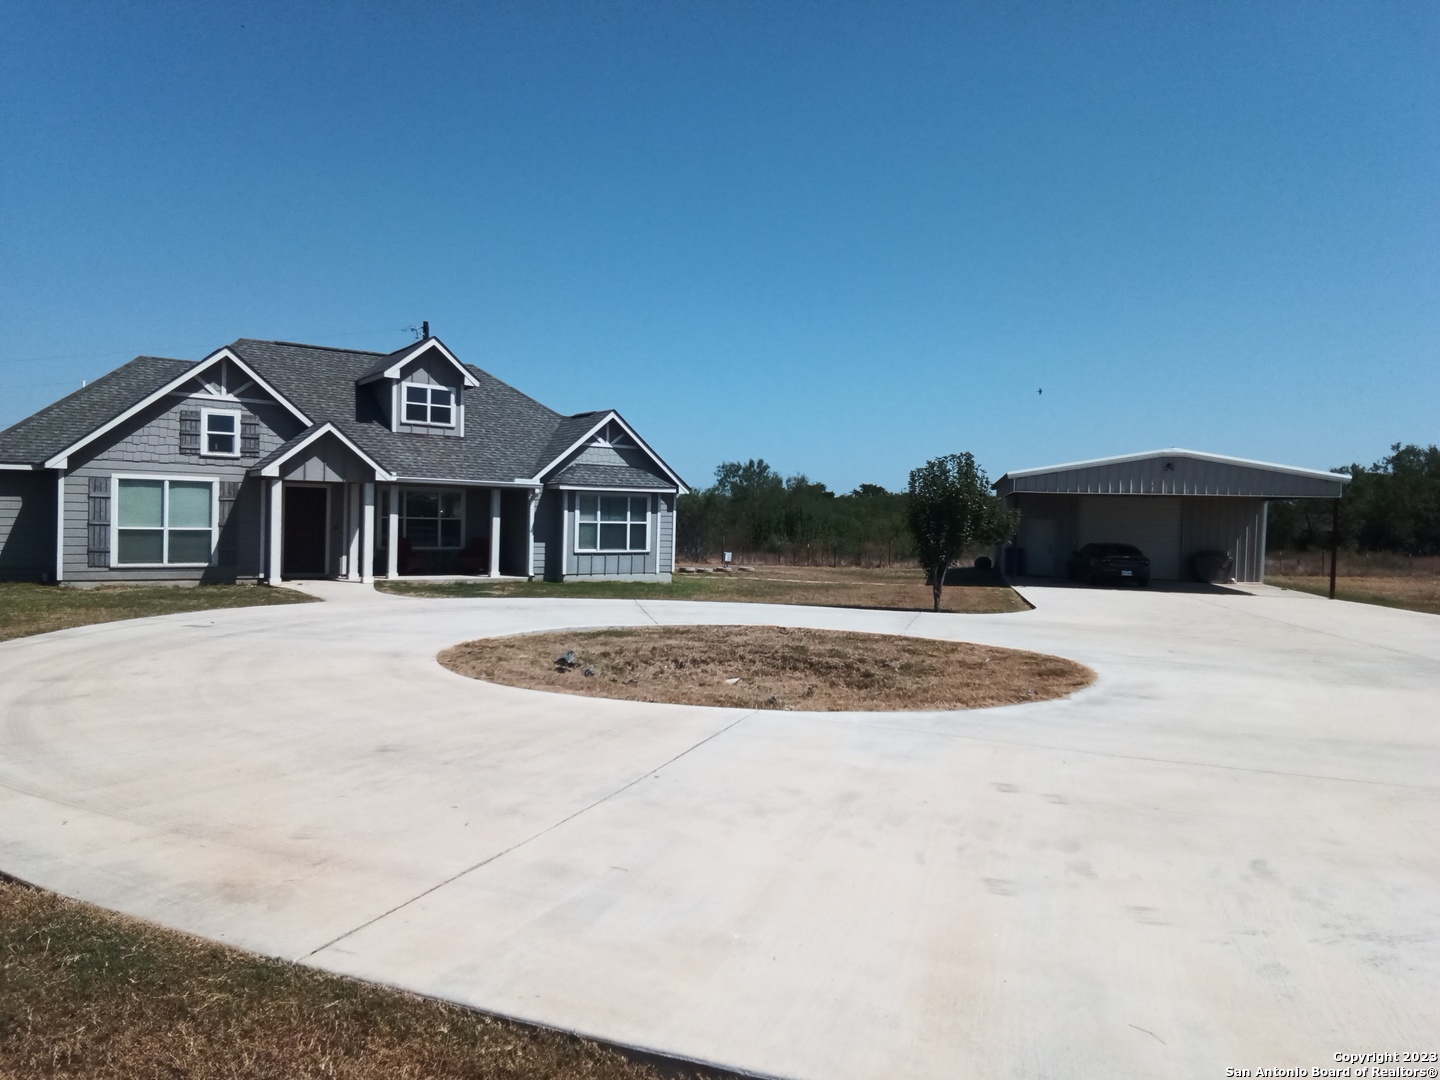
(44, 434)
(508, 435)
(611, 476)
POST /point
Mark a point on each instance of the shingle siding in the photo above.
(27, 525)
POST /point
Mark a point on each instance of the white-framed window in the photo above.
(425, 404)
(219, 433)
(612, 523)
(432, 519)
(164, 521)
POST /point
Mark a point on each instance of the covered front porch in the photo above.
(331, 512)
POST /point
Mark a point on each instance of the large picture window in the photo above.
(164, 522)
(433, 519)
(429, 404)
(613, 523)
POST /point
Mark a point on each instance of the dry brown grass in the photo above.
(775, 668)
(1414, 592)
(896, 588)
(85, 993)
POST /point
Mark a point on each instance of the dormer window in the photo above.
(429, 404)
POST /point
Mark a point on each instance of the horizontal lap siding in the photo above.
(652, 563)
(27, 525)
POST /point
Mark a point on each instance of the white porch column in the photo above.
(60, 526)
(530, 536)
(352, 532)
(392, 527)
(272, 573)
(367, 533)
(494, 532)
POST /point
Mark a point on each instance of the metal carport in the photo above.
(1171, 504)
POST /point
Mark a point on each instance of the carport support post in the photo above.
(367, 532)
(494, 532)
(1334, 541)
(272, 571)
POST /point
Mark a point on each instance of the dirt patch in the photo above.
(769, 667)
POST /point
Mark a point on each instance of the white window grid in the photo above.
(589, 513)
(206, 415)
(428, 401)
(165, 519)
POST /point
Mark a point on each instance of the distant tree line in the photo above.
(761, 516)
(1392, 505)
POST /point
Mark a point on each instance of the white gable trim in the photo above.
(639, 442)
(1176, 452)
(394, 370)
(273, 468)
(59, 461)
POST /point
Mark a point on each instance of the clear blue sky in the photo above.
(845, 238)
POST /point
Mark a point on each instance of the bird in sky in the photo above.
(1040, 391)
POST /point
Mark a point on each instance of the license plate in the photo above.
(1127, 573)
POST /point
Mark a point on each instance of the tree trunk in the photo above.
(939, 582)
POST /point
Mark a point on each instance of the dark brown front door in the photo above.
(304, 550)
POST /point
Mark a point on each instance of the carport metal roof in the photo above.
(1175, 472)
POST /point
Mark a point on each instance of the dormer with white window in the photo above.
(421, 389)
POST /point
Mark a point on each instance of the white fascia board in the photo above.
(59, 460)
(622, 490)
(273, 469)
(639, 442)
(1175, 452)
(451, 481)
(393, 371)
(6, 466)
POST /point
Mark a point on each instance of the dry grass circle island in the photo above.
(769, 667)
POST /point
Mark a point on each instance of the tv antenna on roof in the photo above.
(422, 331)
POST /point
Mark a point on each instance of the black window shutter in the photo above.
(229, 549)
(249, 436)
(97, 545)
(189, 431)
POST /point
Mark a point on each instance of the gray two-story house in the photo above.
(269, 460)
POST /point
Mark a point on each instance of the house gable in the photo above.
(610, 444)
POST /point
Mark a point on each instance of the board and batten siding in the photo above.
(27, 525)
(429, 370)
(151, 443)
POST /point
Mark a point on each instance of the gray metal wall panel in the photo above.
(1189, 476)
(27, 525)
(1235, 526)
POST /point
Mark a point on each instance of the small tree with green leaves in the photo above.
(951, 508)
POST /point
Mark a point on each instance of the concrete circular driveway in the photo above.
(1223, 854)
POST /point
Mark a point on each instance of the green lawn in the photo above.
(894, 588)
(37, 609)
(86, 993)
